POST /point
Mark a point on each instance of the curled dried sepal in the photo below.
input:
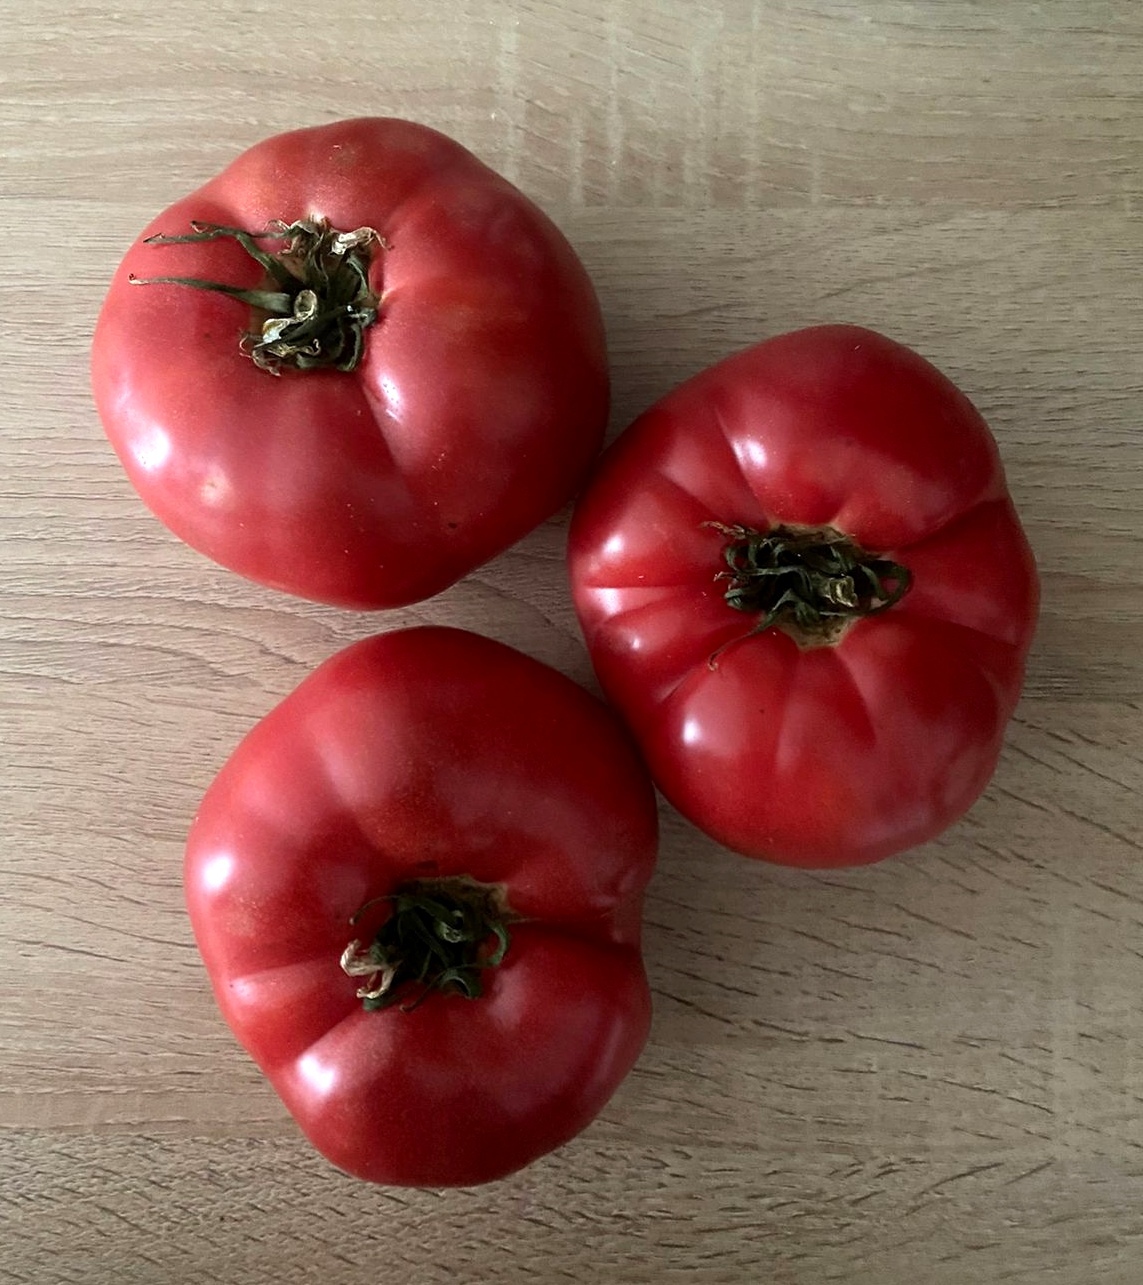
(438, 935)
(813, 582)
(315, 304)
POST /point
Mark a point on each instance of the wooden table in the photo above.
(926, 1071)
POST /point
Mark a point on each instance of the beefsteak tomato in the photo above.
(803, 582)
(417, 886)
(442, 376)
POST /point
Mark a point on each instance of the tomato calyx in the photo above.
(812, 582)
(438, 936)
(315, 304)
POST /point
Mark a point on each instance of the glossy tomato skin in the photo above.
(812, 756)
(478, 408)
(423, 754)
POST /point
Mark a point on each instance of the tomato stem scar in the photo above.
(811, 582)
(314, 305)
(438, 936)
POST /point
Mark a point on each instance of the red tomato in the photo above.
(477, 403)
(356, 869)
(803, 583)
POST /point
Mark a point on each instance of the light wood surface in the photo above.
(927, 1071)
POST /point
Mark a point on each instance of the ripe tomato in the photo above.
(803, 583)
(417, 888)
(442, 377)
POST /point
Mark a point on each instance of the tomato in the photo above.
(803, 582)
(417, 886)
(441, 371)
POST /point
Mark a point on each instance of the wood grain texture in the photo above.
(927, 1071)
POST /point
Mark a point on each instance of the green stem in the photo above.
(813, 582)
(314, 305)
(441, 934)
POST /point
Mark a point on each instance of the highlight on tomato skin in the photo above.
(803, 583)
(417, 888)
(353, 366)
